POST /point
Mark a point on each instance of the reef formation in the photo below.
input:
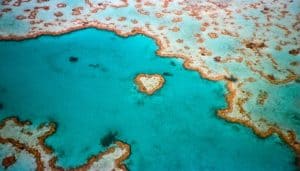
(149, 83)
(251, 45)
(22, 137)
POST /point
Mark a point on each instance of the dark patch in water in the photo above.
(296, 117)
(85, 149)
(297, 161)
(103, 69)
(109, 138)
(73, 59)
(51, 119)
(280, 143)
(172, 63)
(94, 65)
(98, 66)
(61, 153)
(236, 128)
(168, 74)
(140, 102)
(1, 106)
(112, 38)
(3, 90)
(231, 78)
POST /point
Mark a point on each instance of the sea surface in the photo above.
(84, 82)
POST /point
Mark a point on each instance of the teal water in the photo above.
(175, 129)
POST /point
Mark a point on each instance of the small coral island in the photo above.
(149, 83)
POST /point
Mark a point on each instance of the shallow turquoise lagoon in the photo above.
(95, 96)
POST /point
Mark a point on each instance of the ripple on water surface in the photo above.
(84, 81)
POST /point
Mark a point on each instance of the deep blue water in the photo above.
(175, 129)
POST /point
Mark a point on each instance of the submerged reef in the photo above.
(109, 138)
(73, 59)
(149, 83)
(254, 41)
(22, 137)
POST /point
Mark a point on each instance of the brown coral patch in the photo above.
(217, 59)
(262, 97)
(204, 52)
(8, 161)
(294, 51)
(6, 9)
(255, 45)
(175, 29)
(228, 33)
(20, 17)
(295, 63)
(177, 19)
(213, 35)
(58, 14)
(77, 10)
(179, 40)
(122, 19)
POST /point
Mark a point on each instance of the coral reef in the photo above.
(149, 83)
(254, 41)
(30, 140)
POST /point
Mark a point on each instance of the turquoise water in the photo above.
(175, 129)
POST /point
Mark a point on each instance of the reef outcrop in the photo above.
(149, 83)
